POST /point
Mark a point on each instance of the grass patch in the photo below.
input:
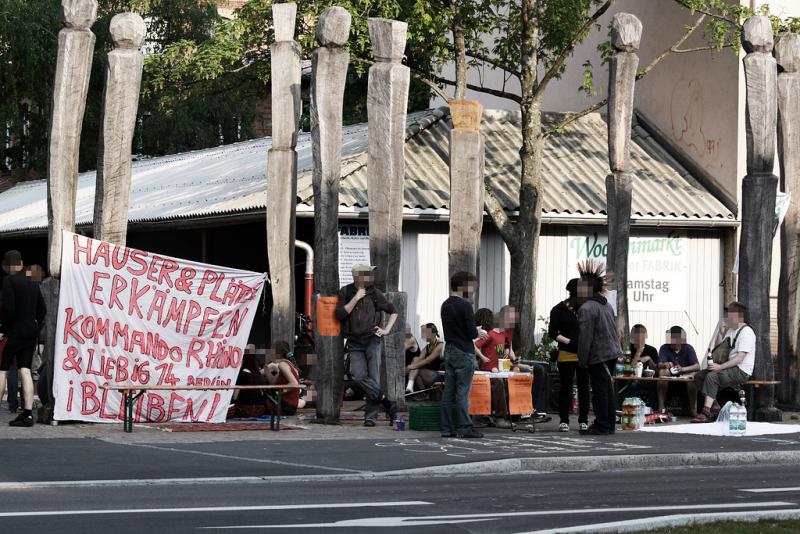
(765, 526)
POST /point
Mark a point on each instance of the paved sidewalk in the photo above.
(100, 452)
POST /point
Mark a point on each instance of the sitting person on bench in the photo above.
(423, 370)
(249, 402)
(677, 358)
(280, 371)
(740, 342)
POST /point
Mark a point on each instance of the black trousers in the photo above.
(604, 396)
(567, 372)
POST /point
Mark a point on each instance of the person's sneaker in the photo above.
(541, 417)
(369, 423)
(449, 435)
(594, 430)
(502, 422)
(563, 427)
(583, 427)
(470, 434)
(705, 416)
(22, 420)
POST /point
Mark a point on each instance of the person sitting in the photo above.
(677, 358)
(423, 370)
(740, 341)
(484, 319)
(248, 403)
(411, 346)
(281, 371)
(647, 355)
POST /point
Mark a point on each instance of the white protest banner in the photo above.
(658, 267)
(129, 317)
(353, 250)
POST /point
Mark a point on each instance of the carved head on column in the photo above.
(757, 35)
(283, 20)
(333, 28)
(626, 32)
(388, 39)
(787, 52)
(128, 31)
(78, 14)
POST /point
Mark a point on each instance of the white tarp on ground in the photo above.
(717, 429)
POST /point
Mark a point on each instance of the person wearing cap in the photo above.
(677, 358)
(358, 309)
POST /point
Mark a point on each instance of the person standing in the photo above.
(598, 345)
(358, 308)
(460, 334)
(564, 329)
(22, 316)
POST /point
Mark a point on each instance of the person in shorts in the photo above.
(22, 313)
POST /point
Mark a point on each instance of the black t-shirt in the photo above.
(564, 321)
(648, 350)
(458, 324)
(249, 397)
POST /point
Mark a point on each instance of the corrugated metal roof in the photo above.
(232, 178)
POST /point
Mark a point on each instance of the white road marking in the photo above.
(244, 458)
(38, 513)
(771, 490)
(450, 519)
(672, 521)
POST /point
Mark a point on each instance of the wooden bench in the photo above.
(131, 393)
(750, 388)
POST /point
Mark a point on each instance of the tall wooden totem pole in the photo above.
(626, 34)
(282, 170)
(387, 101)
(759, 189)
(71, 84)
(120, 103)
(329, 64)
(787, 55)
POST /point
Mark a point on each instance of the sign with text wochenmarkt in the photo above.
(129, 317)
(658, 267)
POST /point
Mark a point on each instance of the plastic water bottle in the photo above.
(737, 425)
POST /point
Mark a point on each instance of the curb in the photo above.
(562, 464)
(604, 463)
(677, 520)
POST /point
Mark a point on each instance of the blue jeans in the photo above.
(458, 369)
(365, 368)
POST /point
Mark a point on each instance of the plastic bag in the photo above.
(724, 419)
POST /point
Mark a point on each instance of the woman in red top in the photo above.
(282, 371)
(498, 344)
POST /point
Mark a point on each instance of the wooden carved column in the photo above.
(329, 64)
(282, 170)
(626, 34)
(759, 189)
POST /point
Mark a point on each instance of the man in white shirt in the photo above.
(742, 341)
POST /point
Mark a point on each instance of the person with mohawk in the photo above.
(598, 345)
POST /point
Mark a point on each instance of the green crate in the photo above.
(424, 417)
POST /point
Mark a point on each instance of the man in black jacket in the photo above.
(598, 346)
(22, 316)
(359, 307)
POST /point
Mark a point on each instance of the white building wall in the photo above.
(424, 277)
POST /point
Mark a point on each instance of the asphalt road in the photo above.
(493, 503)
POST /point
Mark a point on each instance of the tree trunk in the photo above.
(523, 243)
(394, 353)
(460, 50)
